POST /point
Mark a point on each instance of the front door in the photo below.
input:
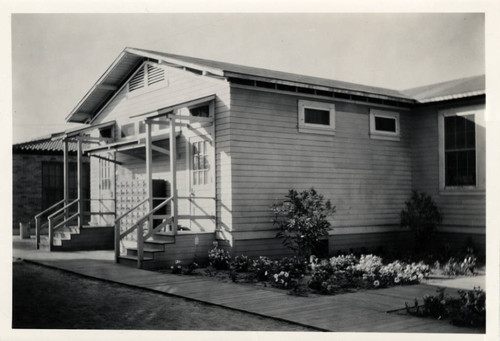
(202, 188)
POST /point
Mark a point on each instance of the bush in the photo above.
(453, 268)
(367, 271)
(219, 258)
(466, 310)
(177, 267)
(263, 267)
(302, 221)
(241, 263)
(422, 216)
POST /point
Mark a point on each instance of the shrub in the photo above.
(422, 216)
(368, 271)
(283, 280)
(219, 258)
(263, 267)
(302, 220)
(294, 266)
(241, 263)
(177, 267)
(453, 268)
(466, 310)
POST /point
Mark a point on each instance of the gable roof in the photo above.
(130, 58)
(458, 88)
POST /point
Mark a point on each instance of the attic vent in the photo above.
(147, 75)
(155, 74)
(137, 81)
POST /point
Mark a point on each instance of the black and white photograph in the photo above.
(311, 172)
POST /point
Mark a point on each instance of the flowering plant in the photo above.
(219, 258)
(263, 267)
(241, 263)
(177, 267)
(454, 268)
(283, 280)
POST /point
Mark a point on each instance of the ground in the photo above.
(49, 298)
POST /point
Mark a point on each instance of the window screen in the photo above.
(385, 124)
(316, 116)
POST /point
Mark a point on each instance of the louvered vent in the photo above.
(137, 81)
(155, 74)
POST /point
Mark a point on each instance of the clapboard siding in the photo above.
(182, 86)
(367, 180)
(459, 210)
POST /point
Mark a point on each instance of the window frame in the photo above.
(312, 128)
(478, 113)
(383, 134)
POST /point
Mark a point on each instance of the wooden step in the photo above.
(131, 260)
(163, 236)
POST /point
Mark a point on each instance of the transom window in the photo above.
(316, 117)
(460, 150)
(384, 125)
(201, 164)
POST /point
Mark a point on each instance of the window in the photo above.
(146, 76)
(201, 164)
(461, 148)
(316, 117)
(203, 111)
(384, 125)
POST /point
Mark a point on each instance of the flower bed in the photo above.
(368, 271)
(468, 309)
(322, 276)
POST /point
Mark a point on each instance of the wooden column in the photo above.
(173, 172)
(149, 175)
(79, 183)
(65, 176)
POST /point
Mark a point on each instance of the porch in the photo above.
(152, 218)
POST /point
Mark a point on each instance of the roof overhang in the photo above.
(78, 131)
(139, 142)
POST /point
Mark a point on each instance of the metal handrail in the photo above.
(38, 226)
(49, 209)
(65, 221)
(62, 209)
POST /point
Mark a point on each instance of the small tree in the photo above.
(422, 216)
(302, 220)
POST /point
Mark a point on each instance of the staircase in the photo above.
(155, 245)
(73, 238)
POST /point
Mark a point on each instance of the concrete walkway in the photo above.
(363, 311)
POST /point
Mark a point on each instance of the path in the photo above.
(363, 311)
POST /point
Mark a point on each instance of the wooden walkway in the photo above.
(364, 311)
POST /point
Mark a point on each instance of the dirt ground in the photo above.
(45, 298)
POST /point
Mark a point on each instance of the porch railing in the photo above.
(139, 226)
(38, 221)
(57, 214)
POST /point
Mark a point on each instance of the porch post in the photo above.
(65, 177)
(79, 182)
(149, 170)
(173, 172)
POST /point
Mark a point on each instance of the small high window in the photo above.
(316, 117)
(384, 125)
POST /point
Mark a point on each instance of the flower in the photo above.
(376, 284)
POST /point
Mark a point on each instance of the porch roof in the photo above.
(138, 142)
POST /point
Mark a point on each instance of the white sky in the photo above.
(56, 58)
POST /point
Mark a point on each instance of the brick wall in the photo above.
(27, 186)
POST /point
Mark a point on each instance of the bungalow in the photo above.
(188, 152)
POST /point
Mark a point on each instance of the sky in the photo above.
(56, 58)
